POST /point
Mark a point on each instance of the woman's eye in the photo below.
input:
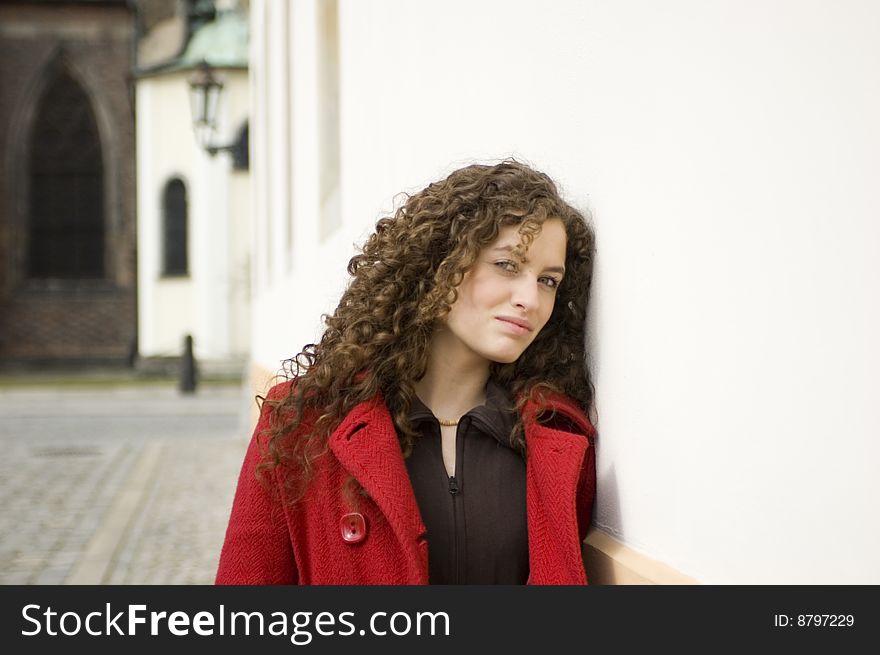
(551, 282)
(506, 265)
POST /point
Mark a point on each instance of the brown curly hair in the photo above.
(404, 281)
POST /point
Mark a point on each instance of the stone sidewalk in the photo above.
(128, 484)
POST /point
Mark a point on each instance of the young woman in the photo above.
(438, 433)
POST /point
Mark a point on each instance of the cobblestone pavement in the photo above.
(117, 485)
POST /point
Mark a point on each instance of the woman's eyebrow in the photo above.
(550, 269)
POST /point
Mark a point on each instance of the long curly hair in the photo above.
(403, 282)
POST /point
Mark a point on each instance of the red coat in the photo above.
(270, 542)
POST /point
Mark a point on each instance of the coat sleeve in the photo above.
(257, 549)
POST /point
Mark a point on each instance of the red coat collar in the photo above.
(366, 444)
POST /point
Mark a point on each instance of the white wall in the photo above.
(165, 306)
(729, 153)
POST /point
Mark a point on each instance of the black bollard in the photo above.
(188, 367)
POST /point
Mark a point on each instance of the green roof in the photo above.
(222, 43)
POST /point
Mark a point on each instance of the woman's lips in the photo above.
(513, 326)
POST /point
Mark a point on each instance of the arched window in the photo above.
(174, 229)
(66, 221)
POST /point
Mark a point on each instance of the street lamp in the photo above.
(205, 90)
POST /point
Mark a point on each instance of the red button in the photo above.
(354, 528)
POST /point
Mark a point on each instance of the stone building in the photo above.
(67, 182)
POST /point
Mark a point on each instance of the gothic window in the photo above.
(66, 222)
(174, 229)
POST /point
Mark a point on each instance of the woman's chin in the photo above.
(505, 357)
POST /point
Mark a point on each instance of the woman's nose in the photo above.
(524, 293)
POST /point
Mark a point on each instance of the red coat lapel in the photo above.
(366, 445)
(552, 471)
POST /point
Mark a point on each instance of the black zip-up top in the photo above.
(476, 519)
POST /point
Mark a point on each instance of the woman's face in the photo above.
(503, 303)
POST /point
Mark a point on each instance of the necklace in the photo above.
(443, 421)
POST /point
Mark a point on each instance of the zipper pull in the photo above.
(453, 485)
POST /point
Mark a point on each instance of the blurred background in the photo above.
(182, 183)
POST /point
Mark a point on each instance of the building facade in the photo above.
(67, 183)
(194, 222)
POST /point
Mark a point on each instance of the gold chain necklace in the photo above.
(443, 421)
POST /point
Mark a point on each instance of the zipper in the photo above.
(456, 557)
(454, 487)
(458, 533)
